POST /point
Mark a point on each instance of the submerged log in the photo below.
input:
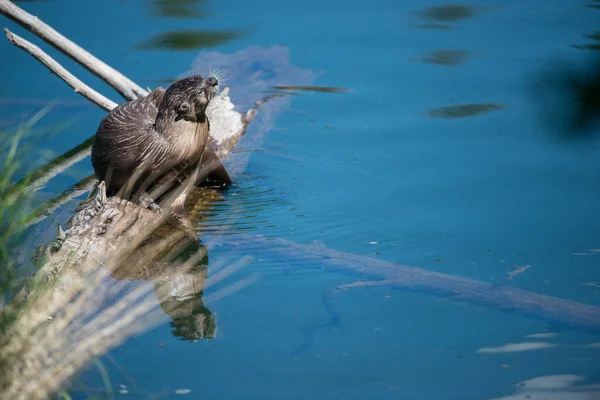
(558, 312)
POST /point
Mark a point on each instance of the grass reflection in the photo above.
(464, 110)
(446, 58)
(180, 8)
(188, 40)
(441, 17)
(590, 46)
(325, 89)
(448, 13)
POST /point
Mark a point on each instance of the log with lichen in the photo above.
(114, 262)
(116, 269)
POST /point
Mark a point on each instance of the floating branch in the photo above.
(60, 71)
(129, 89)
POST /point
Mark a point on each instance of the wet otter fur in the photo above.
(147, 147)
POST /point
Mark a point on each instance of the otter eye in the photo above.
(184, 107)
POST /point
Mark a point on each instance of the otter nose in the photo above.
(212, 81)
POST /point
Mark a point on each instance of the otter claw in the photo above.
(155, 207)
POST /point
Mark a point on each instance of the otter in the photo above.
(150, 145)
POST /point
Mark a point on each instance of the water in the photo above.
(372, 172)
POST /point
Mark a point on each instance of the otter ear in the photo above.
(184, 108)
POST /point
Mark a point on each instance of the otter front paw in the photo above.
(150, 204)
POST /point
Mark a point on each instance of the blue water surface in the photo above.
(372, 172)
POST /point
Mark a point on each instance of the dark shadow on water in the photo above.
(595, 37)
(179, 8)
(464, 110)
(441, 17)
(189, 39)
(326, 89)
(568, 100)
(452, 12)
(590, 46)
(595, 4)
(445, 58)
(586, 90)
(568, 96)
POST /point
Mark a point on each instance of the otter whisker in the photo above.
(214, 70)
(197, 70)
(217, 72)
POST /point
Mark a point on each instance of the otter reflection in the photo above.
(178, 278)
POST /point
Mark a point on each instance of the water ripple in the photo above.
(243, 207)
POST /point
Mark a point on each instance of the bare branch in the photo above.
(60, 71)
(129, 89)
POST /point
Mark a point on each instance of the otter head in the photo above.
(186, 101)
